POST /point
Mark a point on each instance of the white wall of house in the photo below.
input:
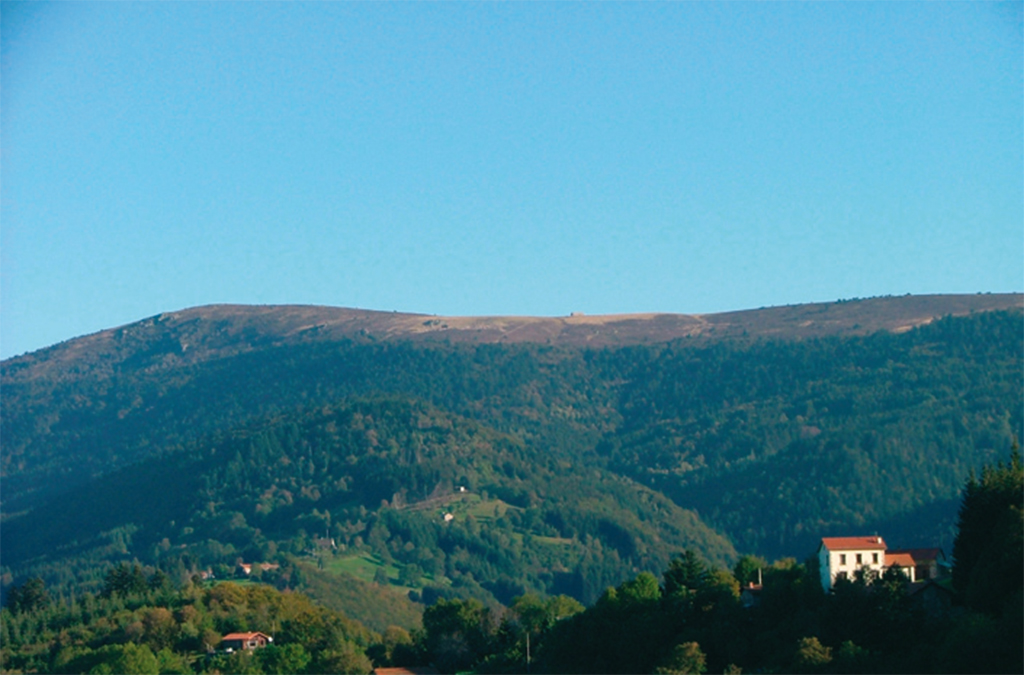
(834, 564)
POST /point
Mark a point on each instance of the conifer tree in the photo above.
(988, 553)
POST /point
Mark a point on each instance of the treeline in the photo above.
(140, 623)
(695, 618)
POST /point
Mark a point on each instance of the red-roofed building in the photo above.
(904, 561)
(842, 557)
(919, 564)
(243, 641)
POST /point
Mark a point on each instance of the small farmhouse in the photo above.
(918, 564)
(842, 557)
(244, 641)
(324, 543)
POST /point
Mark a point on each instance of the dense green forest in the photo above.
(376, 476)
(382, 478)
(924, 406)
(693, 619)
(141, 623)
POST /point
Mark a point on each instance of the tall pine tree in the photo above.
(988, 553)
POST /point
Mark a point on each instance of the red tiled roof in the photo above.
(242, 636)
(852, 543)
(901, 559)
(919, 555)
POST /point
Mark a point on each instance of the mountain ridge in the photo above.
(765, 428)
(213, 331)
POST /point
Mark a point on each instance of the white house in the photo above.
(841, 557)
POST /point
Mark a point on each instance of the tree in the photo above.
(851, 658)
(238, 663)
(686, 573)
(159, 627)
(394, 649)
(456, 633)
(345, 658)
(562, 607)
(641, 590)
(686, 658)
(159, 581)
(410, 575)
(747, 569)
(291, 658)
(170, 663)
(125, 579)
(811, 655)
(127, 658)
(529, 613)
(29, 596)
(988, 552)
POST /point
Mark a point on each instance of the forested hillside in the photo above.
(378, 475)
(781, 443)
(564, 468)
(692, 617)
(141, 623)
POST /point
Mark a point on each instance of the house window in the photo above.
(842, 558)
(840, 575)
(859, 560)
(874, 558)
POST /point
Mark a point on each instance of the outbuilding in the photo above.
(245, 641)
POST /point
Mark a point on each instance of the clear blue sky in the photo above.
(497, 158)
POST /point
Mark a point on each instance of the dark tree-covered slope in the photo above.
(601, 447)
(383, 472)
(825, 436)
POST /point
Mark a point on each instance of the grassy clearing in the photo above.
(364, 566)
(489, 509)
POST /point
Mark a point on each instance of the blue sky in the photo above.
(502, 158)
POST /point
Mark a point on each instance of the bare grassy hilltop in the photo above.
(209, 332)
